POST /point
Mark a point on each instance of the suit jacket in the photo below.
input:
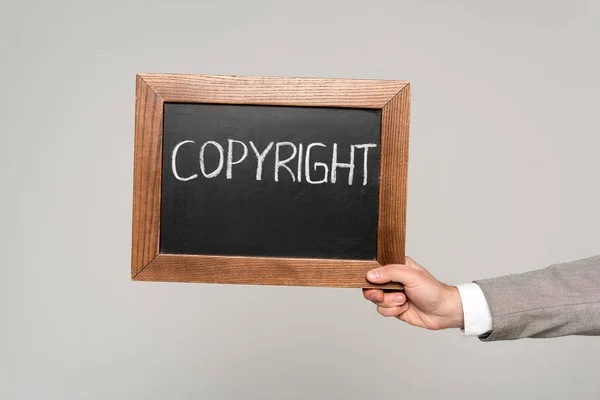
(560, 300)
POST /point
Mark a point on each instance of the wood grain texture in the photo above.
(395, 118)
(351, 93)
(261, 271)
(147, 176)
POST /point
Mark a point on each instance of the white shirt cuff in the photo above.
(476, 311)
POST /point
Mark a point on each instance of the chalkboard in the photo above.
(266, 180)
(313, 194)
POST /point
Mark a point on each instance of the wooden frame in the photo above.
(153, 90)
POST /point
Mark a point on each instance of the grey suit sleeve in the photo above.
(560, 300)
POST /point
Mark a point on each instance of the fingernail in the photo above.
(374, 298)
(398, 299)
(373, 274)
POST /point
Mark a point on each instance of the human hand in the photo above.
(425, 302)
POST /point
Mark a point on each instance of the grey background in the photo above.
(503, 178)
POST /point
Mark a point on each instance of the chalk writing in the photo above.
(315, 172)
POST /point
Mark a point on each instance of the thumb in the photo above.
(413, 264)
(394, 273)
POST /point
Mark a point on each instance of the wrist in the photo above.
(454, 314)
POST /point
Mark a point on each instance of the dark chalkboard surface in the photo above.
(219, 199)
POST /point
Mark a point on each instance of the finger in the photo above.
(392, 299)
(374, 295)
(394, 273)
(392, 311)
